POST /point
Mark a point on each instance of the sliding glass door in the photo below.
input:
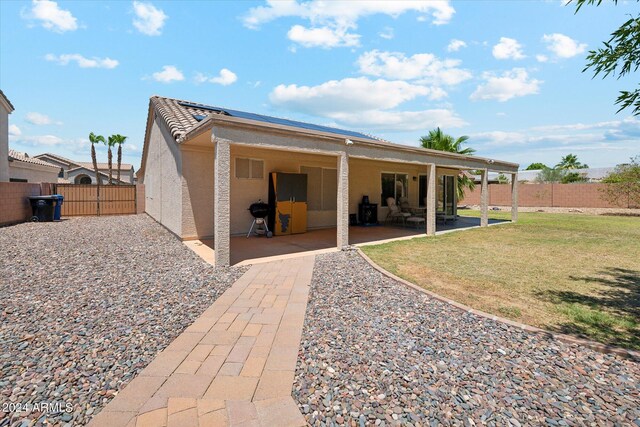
(446, 195)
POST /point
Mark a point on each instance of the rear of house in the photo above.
(197, 158)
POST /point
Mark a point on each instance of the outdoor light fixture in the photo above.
(348, 141)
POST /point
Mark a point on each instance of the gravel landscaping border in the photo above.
(594, 345)
(86, 304)
(376, 352)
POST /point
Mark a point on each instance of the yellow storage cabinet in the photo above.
(287, 203)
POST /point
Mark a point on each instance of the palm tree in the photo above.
(570, 161)
(119, 139)
(110, 143)
(95, 139)
(438, 140)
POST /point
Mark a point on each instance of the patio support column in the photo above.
(514, 197)
(342, 239)
(431, 200)
(222, 210)
(484, 199)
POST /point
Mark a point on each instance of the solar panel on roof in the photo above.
(274, 120)
(199, 117)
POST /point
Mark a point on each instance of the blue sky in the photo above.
(506, 73)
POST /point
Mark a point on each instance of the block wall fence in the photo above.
(547, 195)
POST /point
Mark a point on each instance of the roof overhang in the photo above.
(227, 121)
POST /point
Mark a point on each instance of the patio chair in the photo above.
(394, 212)
(439, 214)
(404, 204)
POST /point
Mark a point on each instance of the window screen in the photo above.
(322, 188)
(249, 168)
(257, 169)
(329, 189)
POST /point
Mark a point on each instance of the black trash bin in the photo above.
(43, 207)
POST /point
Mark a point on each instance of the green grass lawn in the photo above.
(575, 274)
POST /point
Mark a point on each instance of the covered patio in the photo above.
(246, 250)
(204, 168)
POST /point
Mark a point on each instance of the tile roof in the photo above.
(180, 116)
(105, 166)
(180, 119)
(24, 157)
(57, 157)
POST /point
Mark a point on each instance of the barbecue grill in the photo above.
(259, 211)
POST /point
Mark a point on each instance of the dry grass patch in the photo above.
(574, 274)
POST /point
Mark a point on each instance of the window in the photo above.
(322, 188)
(394, 185)
(249, 168)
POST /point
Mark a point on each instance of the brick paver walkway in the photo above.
(234, 365)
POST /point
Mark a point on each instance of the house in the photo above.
(203, 166)
(23, 168)
(75, 172)
(6, 108)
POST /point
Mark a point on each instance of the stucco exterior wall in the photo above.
(71, 176)
(162, 179)
(4, 145)
(244, 192)
(32, 172)
(197, 192)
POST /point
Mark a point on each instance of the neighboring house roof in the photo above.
(105, 166)
(57, 158)
(73, 164)
(24, 157)
(4, 100)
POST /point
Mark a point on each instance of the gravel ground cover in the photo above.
(376, 352)
(85, 305)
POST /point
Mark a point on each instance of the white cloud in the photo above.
(224, 78)
(39, 140)
(510, 84)
(14, 130)
(424, 66)
(168, 74)
(324, 37)
(563, 46)
(52, 17)
(149, 19)
(508, 48)
(455, 45)
(345, 12)
(400, 121)
(331, 21)
(362, 103)
(351, 94)
(542, 58)
(82, 61)
(40, 119)
(387, 33)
